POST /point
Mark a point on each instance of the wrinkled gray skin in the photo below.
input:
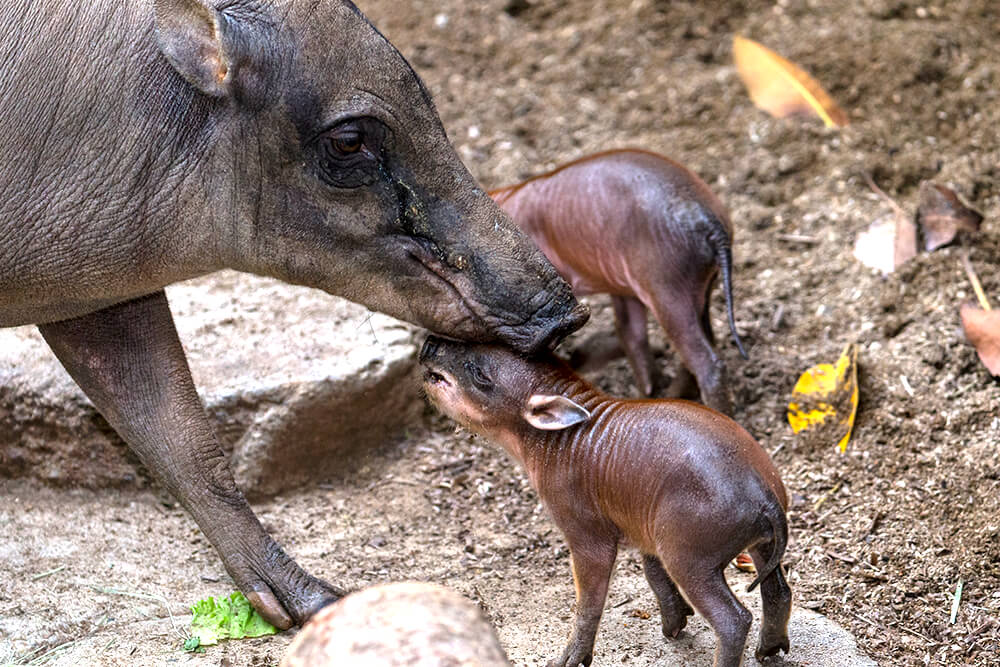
(284, 138)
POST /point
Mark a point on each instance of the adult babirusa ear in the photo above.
(553, 412)
(191, 35)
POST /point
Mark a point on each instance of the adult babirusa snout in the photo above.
(508, 290)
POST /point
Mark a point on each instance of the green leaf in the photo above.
(228, 618)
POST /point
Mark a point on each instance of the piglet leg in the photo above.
(592, 564)
(711, 597)
(776, 597)
(674, 609)
(129, 361)
(683, 385)
(681, 320)
(630, 322)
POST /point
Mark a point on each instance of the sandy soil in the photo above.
(881, 535)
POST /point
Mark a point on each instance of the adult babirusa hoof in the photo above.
(270, 609)
(572, 661)
(299, 604)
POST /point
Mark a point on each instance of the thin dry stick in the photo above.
(822, 499)
(917, 634)
(977, 286)
(877, 190)
(142, 596)
(47, 573)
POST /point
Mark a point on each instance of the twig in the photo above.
(47, 573)
(41, 659)
(867, 620)
(977, 286)
(956, 602)
(917, 634)
(877, 190)
(988, 625)
(875, 522)
(392, 480)
(906, 385)
(142, 596)
(798, 238)
(823, 498)
(844, 559)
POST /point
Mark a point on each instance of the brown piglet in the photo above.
(649, 232)
(682, 482)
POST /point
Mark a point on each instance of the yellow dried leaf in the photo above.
(825, 391)
(780, 87)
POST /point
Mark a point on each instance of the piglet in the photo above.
(681, 481)
(649, 232)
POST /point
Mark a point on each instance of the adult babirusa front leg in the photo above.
(129, 361)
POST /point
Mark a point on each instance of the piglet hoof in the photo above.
(672, 630)
(675, 619)
(765, 652)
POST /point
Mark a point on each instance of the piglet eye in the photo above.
(479, 377)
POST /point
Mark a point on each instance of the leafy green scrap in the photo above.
(227, 618)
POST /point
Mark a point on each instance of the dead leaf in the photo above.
(780, 87)
(887, 244)
(942, 215)
(827, 391)
(982, 328)
(744, 563)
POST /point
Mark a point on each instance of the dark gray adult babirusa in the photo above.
(145, 142)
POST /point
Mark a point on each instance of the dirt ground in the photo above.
(881, 535)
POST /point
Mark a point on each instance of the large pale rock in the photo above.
(392, 625)
(292, 378)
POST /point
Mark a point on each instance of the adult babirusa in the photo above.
(150, 142)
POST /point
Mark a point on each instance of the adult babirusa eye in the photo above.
(348, 155)
(347, 141)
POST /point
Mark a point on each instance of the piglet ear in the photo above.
(553, 413)
(190, 35)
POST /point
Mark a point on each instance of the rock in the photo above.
(398, 624)
(292, 378)
(814, 640)
(630, 632)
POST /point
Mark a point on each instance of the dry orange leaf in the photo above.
(942, 215)
(982, 328)
(780, 87)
